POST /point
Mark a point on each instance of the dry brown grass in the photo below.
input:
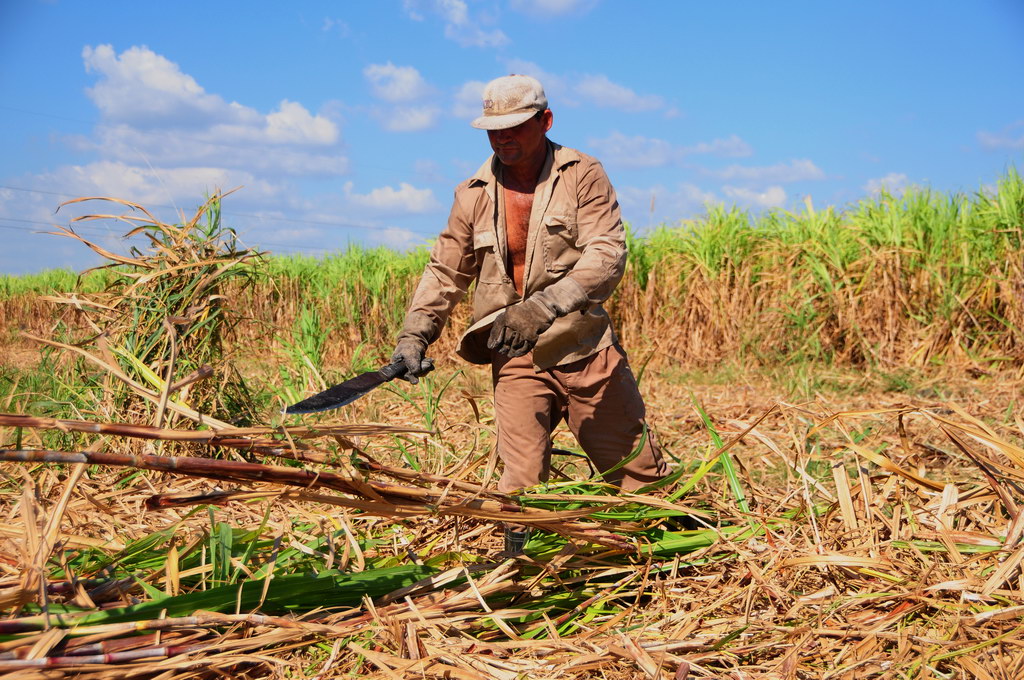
(886, 583)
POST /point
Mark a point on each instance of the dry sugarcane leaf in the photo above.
(886, 464)
(99, 250)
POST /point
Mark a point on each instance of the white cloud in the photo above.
(556, 87)
(772, 197)
(644, 152)
(163, 140)
(326, 222)
(428, 170)
(269, 215)
(530, 68)
(183, 187)
(604, 93)
(634, 151)
(794, 171)
(454, 11)
(152, 114)
(395, 238)
(595, 89)
(402, 86)
(466, 30)
(142, 86)
(471, 35)
(396, 83)
(459, 25)
(387, 200)
(1010, 137)
(145, 90)
(409, 118)
(658, 203)
(412, 9)
(291, 123)
(217, 146)
(547, 9)
(332, 25)
(468, 99)
(297, 235)
(894, 183)
(732, 146)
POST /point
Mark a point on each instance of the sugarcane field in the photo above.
(163, 518)
(511, 340)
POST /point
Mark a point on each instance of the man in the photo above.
(538, 228)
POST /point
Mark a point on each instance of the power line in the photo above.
(15, 219)
(171, 133)
(99, 231)
(6, 226)
(86, 228)
(48, 115)
(54, 225)
(230, 213)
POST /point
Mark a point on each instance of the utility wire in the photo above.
(82, 228)
(231, 213)
(99, 231)
(171, 133)
(48, 115)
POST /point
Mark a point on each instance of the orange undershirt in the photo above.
(518, 205)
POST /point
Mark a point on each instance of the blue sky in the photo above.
(347, 122)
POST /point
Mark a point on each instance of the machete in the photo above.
(348, 391)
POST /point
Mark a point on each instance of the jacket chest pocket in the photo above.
(485, 248)
(560, 242)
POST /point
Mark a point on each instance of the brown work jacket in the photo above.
(575, 231)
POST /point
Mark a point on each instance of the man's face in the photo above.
(521, 144)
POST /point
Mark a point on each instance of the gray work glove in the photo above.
(410, 352)
(515, 332)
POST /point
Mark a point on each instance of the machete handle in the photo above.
(396, 369)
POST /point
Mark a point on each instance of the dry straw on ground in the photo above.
(900, 573)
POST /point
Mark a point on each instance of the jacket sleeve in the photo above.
(445, 279)
(602, 240)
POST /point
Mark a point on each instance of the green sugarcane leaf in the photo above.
(295, 593)
(221, 542)
(725, 460)
(153, 592)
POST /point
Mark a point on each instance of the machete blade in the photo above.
(348, 391)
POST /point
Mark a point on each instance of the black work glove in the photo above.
(410, 352)
(516, 330)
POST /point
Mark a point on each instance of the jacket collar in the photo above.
(564, 156)
(487, 174)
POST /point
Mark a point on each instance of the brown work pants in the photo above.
(597, 396)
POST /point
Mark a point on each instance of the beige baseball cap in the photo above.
(509, 101)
